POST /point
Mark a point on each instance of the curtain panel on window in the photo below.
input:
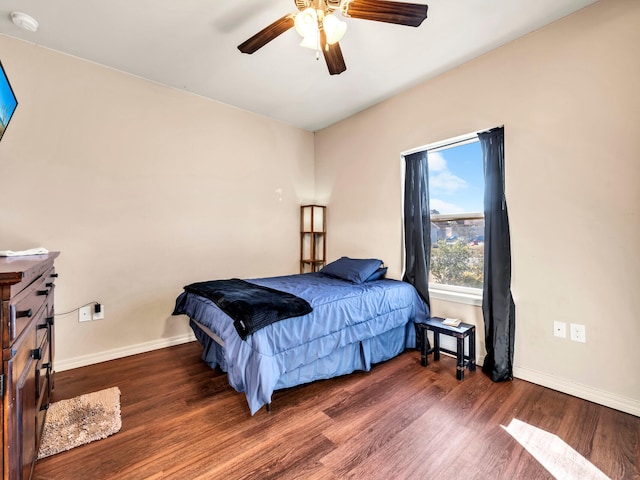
(417, 223)
(498, 308)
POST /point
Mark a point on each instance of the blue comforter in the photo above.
(344, 316)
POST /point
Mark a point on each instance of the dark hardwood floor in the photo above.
(181, 420)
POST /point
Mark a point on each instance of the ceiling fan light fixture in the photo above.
(306, 22)
(311, 41)
(335, 28)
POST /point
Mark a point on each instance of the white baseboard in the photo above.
(601, 397)
(83, 361)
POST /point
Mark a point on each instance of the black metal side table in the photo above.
(460, 332)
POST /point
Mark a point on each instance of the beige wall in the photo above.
(568, 96)
(143, 189)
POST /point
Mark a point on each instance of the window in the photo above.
(456, 200)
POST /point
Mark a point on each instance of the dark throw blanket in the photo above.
(251, 306)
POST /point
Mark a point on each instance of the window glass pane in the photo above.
(456, 180)
(456, 189)
(457, 252)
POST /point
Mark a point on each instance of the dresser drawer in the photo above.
(22, 353)
(43, 386)
(43, 370)
(44, 269)
(27, 304)
(43, 324)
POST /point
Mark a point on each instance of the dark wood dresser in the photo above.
(26, 327)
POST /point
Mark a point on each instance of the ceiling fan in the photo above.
(321, 29)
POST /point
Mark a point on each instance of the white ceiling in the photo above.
(191, 45)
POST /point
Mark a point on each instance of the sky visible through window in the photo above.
(456, 183)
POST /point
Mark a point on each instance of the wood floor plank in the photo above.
(181, 420)
(616, 444)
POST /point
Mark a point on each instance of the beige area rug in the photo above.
(80, 420)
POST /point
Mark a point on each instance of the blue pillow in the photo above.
(377, 275)
(355, 270)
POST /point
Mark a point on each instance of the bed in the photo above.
(357, 319)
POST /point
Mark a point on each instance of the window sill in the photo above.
(456, 296)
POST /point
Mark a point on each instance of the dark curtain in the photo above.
(498, 308)
(417, 223)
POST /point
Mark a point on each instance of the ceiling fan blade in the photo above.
(267, 34)
(400, 13)
(332, 55)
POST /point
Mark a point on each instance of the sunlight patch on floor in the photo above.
(562, 461)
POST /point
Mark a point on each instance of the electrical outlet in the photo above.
(560, 329)
(84, 314)
(98, 315)
(578, 333)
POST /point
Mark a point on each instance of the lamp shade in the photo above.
(311, 41)
(306, 22)
(307, 25)
(334, 28)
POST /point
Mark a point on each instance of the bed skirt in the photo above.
(352, 357)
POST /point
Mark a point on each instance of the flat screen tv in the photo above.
(8, 102)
